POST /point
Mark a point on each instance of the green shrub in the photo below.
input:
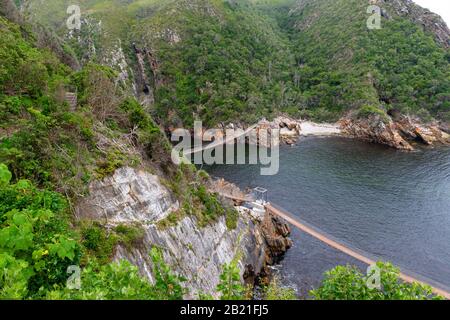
(106, 167)
(35, 243)
(172, 219)
(275, 291)
(122, 281)
(99, 242)
(348, 283)
(231, 218)
(368, 110)
(211, 207)
(129, 235)
(230, 286)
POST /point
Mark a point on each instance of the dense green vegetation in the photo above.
(231, 63)
(344, 65)
(221, 61)
(225, 61)
(36, 245)
(49, 152)
(348, 283)
(118, 281)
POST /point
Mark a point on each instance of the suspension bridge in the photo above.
(321, 236)
(219, 142)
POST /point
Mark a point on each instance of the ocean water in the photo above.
(393, 205)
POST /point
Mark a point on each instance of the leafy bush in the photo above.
(348, 283)
(231, 218)
(129, 235)
(211, 207)
(230, 286)
(122, 281)
(275, 291)
(98, 242)
(368, 110)
(35, 243)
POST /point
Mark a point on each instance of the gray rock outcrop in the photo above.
(133, 196)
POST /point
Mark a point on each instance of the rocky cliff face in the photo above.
(398, 131)
(133, 196)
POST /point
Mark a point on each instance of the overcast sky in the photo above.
(441, 7)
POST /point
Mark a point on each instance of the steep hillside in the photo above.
(241, 60)
(86, 177)
(344, 65)
(212, 60)
(70, 170)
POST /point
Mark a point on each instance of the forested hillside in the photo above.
(240, 60)
(49, 153)
(345, 65)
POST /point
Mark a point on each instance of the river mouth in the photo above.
(393, 205)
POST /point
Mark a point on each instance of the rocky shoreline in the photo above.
(274, 230)
(394, 130)
(397, 131)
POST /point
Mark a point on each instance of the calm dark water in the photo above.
(391, 204)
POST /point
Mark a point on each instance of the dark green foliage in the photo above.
(229, 65)
(220, 61)
(36, 250)
(343, 65)
(129, 235)
(106, 167)
(41, 138)
(231, 218)
(167, 284)
(212, 207)
(348, 283)
(36, 245)
(230, 286)
(121, 281)
(99, 242)
(149, 135)
(367, 111)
